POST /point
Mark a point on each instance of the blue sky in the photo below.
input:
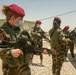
(40, 9)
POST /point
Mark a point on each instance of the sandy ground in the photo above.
(68, 68)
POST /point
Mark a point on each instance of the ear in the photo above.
(13, 18)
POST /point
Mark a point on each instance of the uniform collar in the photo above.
(15, 28)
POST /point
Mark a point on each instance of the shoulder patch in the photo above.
(2, 33)
(2, 30)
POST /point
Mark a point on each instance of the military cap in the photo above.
(57, 18)
(66, 27)
(16, 10)
(38, 21)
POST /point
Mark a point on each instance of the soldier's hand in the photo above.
(45, 51)
(48, 40)
(16, 52)
(38, 34)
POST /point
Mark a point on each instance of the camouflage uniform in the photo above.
(73, 39)
(10, 64)
(58, 42)
(37, 39)
(58, 51)
(67, 36)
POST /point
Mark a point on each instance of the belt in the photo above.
(58, 48)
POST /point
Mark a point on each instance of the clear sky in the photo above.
(40, 9)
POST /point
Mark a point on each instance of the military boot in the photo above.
(30, 62)
(53, 73)
(41, 63)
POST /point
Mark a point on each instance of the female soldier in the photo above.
(13, 60)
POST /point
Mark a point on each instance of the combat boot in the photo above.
(30, 62)
(41, 62)
(53, 73)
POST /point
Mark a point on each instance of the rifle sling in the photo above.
(52, 33)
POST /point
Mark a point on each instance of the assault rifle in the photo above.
(22, 44)
(43, 36)
(42, 33)
(25, 48)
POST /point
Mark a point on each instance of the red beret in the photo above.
(58, 18)
(66, 27)
(38, 21)
(16, 10)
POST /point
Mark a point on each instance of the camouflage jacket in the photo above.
(35, 37)
(10, 34)
(73, 35)
(56, 38)
(66, 33)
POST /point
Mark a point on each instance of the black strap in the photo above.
(52, 33)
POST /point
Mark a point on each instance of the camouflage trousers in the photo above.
(41, 58)
(71, 48)
(58, 56)
(23, 70)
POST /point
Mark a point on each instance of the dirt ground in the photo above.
(68, 68)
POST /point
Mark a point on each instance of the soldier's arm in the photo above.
(33, 32)
(63, 39)
(3, 46)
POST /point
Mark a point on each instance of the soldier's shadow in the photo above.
(72, 60)
(37, 64)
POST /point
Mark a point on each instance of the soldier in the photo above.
(14, 60)
(57, 46)
(66, 31)
(73, 39)
(74, 36)
(37, 35)
(67, 36)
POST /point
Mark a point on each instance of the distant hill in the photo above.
(2, 21)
